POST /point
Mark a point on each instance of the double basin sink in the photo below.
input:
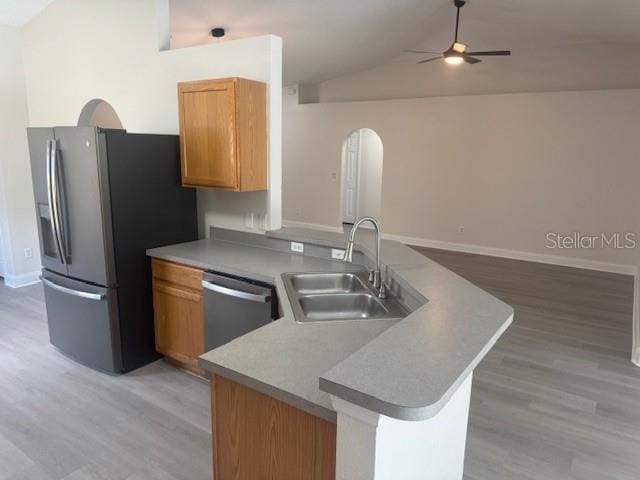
(335, 296)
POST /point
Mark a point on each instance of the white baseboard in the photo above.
(518, 255)
(22, 280)
(548, 259)
(489, 251)
(312, 226)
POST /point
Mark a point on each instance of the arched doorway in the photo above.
(361, 176)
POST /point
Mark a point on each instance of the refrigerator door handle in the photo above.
(71, 291)
(55, 184)
(51, 192)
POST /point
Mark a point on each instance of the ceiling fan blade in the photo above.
(430, 59)
(491, 53)
(470, 60)
(421, 51)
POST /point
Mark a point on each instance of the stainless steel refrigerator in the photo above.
(102, 198)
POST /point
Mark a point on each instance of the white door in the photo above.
(350, 178)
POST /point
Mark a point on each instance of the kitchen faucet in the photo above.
(375, 276)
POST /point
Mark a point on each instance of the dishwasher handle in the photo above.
(231, 292)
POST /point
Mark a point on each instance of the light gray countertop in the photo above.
(405, 369)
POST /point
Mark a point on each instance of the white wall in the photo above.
(109, 50)
(17, 211)
(509, 168)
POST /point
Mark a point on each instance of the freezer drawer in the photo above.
(83, 321)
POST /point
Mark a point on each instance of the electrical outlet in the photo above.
(461, 229)
(28, 253)
(297, 247)
(337, 254)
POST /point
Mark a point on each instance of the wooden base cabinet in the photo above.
(256, 437)
(178, 313)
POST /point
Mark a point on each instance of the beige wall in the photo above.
(103, 53)
(509, 168)
(17, 212)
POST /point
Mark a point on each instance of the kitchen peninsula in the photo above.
(358, 399)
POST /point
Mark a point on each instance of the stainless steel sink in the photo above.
(324, 283)
(341, 307)
(338, 296)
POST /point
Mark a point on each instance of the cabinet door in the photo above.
(208, 134)
(179, 322)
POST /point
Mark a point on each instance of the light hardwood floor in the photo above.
(557, 398)
(59, 420)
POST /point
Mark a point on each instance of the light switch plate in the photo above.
(337, 254)
(297, 247)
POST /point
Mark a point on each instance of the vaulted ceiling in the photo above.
(322, 38)
(354, 48)
(556, 44)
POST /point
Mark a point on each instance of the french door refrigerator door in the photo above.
(79, 165)
(40, 149)
(83, 321)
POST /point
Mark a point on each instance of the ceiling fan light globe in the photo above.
(454, 59)
(459, 47)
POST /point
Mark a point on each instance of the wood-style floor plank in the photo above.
(60, 420)
(556, 399)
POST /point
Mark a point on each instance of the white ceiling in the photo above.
(16, 13)
(322, 38)
(572, 40)
(556, 46)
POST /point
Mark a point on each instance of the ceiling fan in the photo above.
(457, 53)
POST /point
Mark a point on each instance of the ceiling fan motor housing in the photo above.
(459, 47)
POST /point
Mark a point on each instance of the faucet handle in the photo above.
(382, 294)
(372, 276)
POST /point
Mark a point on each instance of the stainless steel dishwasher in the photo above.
(234, 306)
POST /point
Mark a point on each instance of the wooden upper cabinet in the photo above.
(223, 134)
